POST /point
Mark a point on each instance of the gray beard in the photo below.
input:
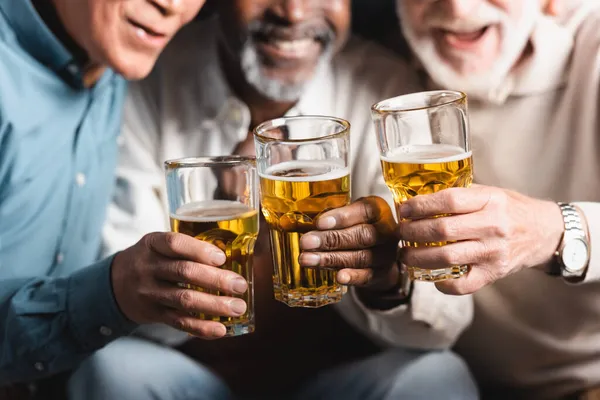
(271, 88)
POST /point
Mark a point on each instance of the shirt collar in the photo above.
(37, 39)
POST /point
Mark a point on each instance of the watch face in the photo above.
(575, 255)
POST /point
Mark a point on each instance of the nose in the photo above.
(294, 11)
(461, 8)
(167, 7)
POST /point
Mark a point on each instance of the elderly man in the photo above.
(260, 60)
(532, 72)
(60, 106)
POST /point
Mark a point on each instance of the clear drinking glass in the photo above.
(303, 167)
(425, 147)
(215, 199)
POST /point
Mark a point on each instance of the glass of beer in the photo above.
(425, 147)
(215, 199)
(303, 167)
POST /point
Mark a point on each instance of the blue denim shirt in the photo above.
(57, 157)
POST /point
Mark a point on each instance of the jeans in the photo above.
(136, 369)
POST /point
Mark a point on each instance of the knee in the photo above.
(435, 375)
(132, 369)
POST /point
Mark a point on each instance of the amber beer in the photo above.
(233, 227)
(424, 169)
(293, 195)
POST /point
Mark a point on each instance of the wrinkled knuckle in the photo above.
(363, 259)
(370, 209)
(185, 299)
(366, 235)
(181, 270)
(173, 241)
(502, 229)
(333, 240)
(451, 199)
(220, 306)
(449, 256)
(445, 228)
(180, 322)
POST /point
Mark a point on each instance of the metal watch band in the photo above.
(573, 229)
(572, 220)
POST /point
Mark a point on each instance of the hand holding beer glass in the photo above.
(215, 199)
(425, 147)
(303, 168)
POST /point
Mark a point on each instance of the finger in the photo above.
(342, 259)
(474, 280)
(204, 276)
(477, 225)
(180, 246)
(435, 257)
(448, 201)
(361, 236)
(355, 277)
(194, 301)
(367, 210)
(202, 329)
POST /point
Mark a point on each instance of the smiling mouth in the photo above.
(463, 39)
(147, 30)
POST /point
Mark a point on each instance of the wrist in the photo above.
(551, 230)
(386, 299)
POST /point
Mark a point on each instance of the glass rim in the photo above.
(282, 121)
(378, 107)
(209, 161)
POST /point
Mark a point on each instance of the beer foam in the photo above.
(211, 211)
(334, 171)
(426, 154)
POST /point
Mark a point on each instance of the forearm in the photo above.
(431, 320)
(50, 325)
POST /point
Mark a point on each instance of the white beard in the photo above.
(485, 85)
(272, 88)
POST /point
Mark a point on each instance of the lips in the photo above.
(463, 40)
(146, 28)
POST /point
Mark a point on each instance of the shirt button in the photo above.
(73, 69)
(80, 179)
(39, 366)
(105, 331)
(60, 258)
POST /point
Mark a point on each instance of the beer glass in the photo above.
(425, 147)
(303, 167)
(215, 199)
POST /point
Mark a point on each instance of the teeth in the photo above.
(296, 46)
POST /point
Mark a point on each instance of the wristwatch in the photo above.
(573, 253)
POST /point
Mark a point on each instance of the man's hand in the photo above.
(359, 241)
(495, 231)
(145, 280)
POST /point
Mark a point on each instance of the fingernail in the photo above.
(239, 285)
(217, 257)
(405, 211)
(326, 223)
(309, 260)
(219, 331)
(310, 242)
(342, 278)
(238, 306)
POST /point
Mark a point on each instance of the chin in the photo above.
(133, 66)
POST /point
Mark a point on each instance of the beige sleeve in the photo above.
(432, 320)
(591, 212)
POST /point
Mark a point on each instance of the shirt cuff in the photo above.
(432, 320)
(95, 317)
(591, 211)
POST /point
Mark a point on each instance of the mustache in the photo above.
(267, 30)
